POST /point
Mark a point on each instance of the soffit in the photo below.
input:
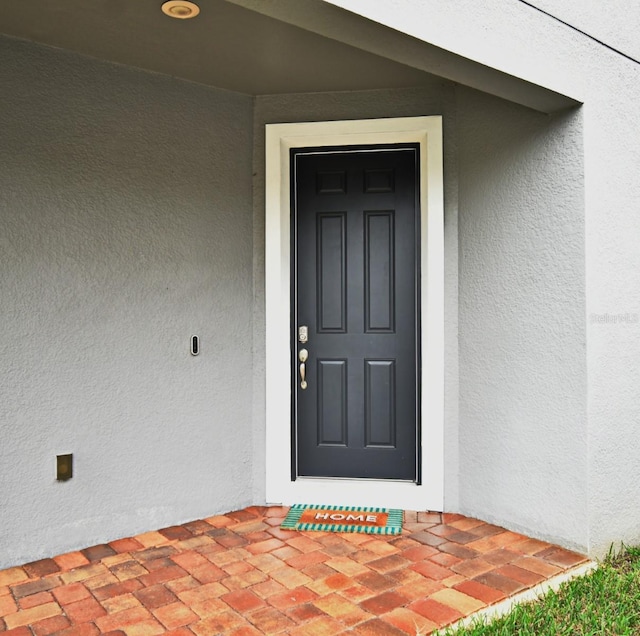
(324, 17)
(226, 46)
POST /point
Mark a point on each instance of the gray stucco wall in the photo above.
(125, 227)
(523, 375)
(127, 224)
(516, 39)
(612, 164)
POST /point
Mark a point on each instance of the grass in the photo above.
(605, 602)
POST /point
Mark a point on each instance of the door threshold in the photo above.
(406, 495)
(347, 479)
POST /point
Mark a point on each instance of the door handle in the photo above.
(303, 356)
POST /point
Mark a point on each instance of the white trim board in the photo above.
(280, 489)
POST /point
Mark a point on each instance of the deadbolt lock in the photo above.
(303, 333)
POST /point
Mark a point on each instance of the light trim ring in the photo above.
(180, 9)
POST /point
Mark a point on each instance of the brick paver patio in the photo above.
(240, 574)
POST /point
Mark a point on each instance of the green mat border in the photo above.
(393, 527)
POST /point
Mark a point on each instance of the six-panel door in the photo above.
(355, 229)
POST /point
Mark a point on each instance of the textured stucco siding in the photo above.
(614, 22)
(125, 227)
(523, 425)
(504, 35)
(612, 165)
(132, 216)
(519, 40)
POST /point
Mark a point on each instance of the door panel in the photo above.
(332, 403)
(380, 397)
(355, 229)
(379, 248)
(331, 287)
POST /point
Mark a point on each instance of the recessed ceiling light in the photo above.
(181, 9)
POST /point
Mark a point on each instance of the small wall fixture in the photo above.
(180, 9)
(64, 467)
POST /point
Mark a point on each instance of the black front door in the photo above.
(355, 231)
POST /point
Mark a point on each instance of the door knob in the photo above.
(303, 356)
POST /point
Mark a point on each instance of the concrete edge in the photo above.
(504, 607)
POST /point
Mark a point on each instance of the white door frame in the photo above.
(280, 489)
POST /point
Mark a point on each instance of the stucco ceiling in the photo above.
(226, 46)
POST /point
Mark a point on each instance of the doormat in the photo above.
(343, 519)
